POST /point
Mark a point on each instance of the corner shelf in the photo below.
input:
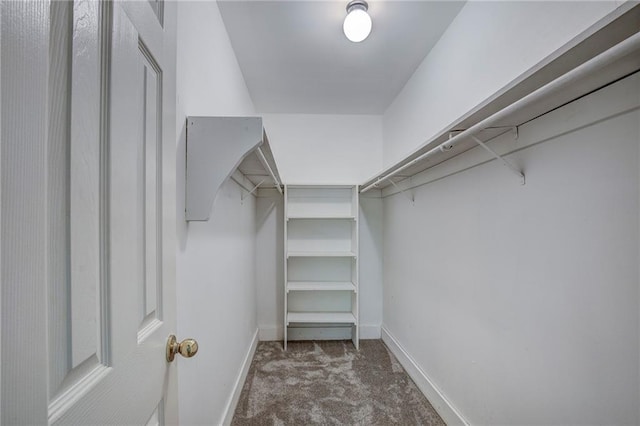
(219, 148)
(321, 262)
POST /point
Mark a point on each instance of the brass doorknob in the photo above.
(187, 348)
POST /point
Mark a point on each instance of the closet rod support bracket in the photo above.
(504, 161)
(408, 195)
(242, 197)
(266, 165)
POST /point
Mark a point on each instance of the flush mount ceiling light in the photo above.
(357, 23)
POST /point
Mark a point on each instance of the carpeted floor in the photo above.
(330, 383)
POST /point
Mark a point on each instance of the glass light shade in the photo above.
(357, 25)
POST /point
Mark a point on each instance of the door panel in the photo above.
(107, 216)
(152, 196)
(85, 195)
(76, 303)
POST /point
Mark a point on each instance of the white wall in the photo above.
(217, 304)
(370, 261)
(328, 149)
(521, 303)
(270, 264)
(488, 45)
(215, 259)
(209, 77)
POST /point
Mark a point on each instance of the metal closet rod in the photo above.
(616, 52)
(264, 162)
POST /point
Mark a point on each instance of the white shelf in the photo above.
(320, 286)
(337, 217)
(320, 254)
(219, 148)
(307, 187)
(321, 317)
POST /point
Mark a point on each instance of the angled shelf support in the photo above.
(407, 194)
(253, 190)
(506, 162)
(216, 148)
(265, 163)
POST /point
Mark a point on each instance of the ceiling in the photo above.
(296, 59)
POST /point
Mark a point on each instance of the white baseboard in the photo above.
(275, 333)
(447, 411)
(368, 332)
(318, 333)
(268, 333)
(230, 407)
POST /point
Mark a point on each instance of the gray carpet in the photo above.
(330, 383)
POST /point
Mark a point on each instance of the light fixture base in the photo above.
(357, 4)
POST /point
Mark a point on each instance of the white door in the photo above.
(87, 172)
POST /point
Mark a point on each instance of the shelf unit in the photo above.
(321, 260)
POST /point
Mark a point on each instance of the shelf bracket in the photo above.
(513, 168)
(407, 194)
(266, 165)
(242, 197)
